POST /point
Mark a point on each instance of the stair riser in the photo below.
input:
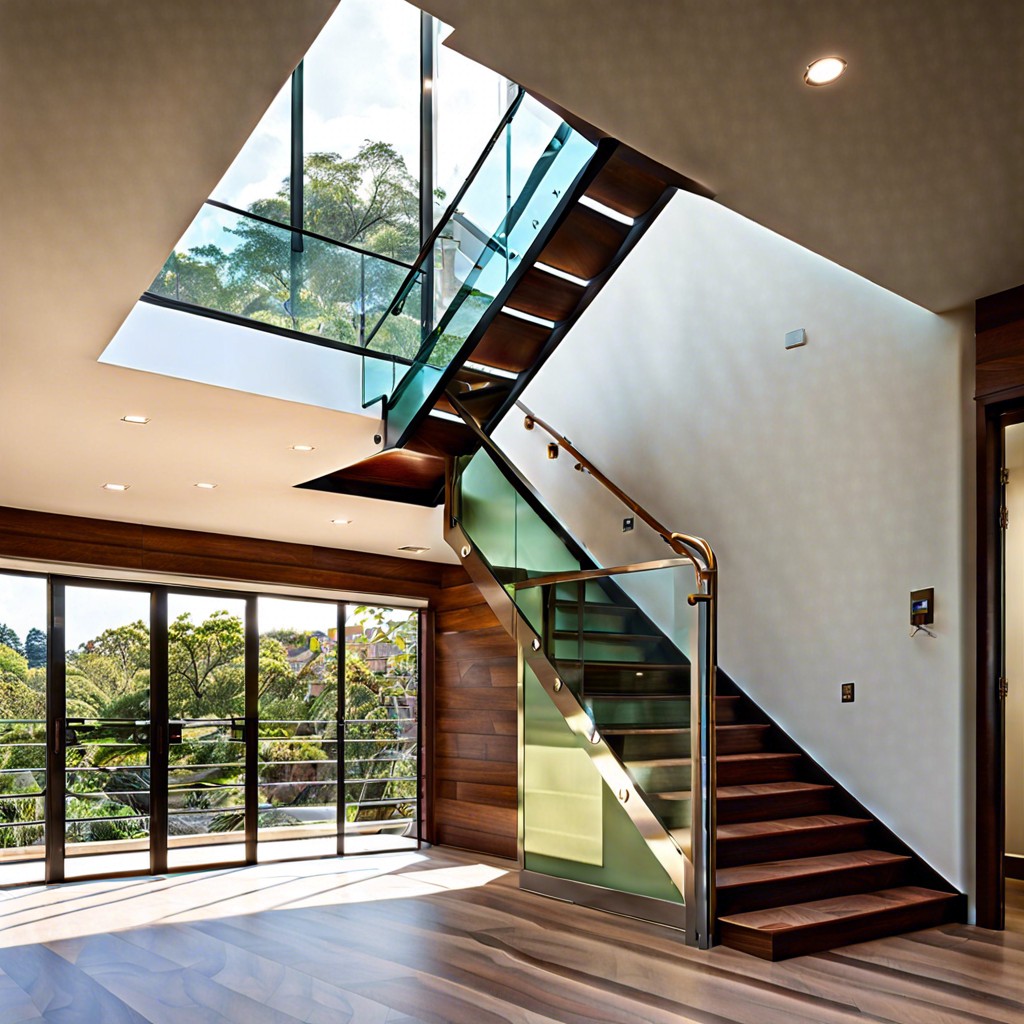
(598, 679)
(742, 773)
(746, 740)
(611, 713)
(634, 651)
(597, 620)
(778, 892)
(671, 813)
(780, 945)
(661, 779)
(790, 845)
(638, 712)
(642, 748)
(763, 808)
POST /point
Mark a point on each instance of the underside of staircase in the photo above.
(617, 197)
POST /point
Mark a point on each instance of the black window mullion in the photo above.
(251, 732)
(56, 712)
(159, 751)
(342, 806)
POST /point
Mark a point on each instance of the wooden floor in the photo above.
(443, 936)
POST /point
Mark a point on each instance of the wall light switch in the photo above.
(847, 692)
(627, 524)
(794, 339)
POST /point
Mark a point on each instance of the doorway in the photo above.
(147, 728)
(1012, 480)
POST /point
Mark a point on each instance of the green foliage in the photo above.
(35, 648)
(206, 675)
(369, 200)
(123, 652)
(13, 665)
(8, 638)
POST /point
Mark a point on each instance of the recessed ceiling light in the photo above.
(413, 549)
(303, 447)
(115, 487)
(341, 522)
(142, 420)
(824, 70)
(206, 487)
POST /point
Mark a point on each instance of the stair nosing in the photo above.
(891, 859)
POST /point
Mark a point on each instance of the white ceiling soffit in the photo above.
(118, 119)
(908, 170)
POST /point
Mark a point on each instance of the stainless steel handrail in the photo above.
(696, 549)
(571, 576)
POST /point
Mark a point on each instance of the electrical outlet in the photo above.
(627, 524)
(847, 692)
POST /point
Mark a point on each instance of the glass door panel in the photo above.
(107, 731)
(206, 735)
(298, 728)
(23, 640)
(381, 729)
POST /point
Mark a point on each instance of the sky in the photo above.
(361, 81)
(90, 610)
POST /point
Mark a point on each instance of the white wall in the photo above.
(831, 480)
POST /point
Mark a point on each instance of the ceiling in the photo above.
(118, 119)
(909, 170)
(120, 116)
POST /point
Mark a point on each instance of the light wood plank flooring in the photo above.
(444, 936)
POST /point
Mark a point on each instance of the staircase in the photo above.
(801, 866)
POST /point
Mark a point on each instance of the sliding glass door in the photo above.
(22, 728)
(105, 732)
(145, 728)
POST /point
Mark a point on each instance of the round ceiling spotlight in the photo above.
(824, 70)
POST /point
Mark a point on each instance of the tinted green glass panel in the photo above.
(574, 827)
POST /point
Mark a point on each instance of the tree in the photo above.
(13, 665)
(369, 200)
(125, 649)
(205, 675)
(10, 639)
(35, 648)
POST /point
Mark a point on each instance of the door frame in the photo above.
(994, 414)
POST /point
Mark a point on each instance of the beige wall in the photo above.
(832, 480)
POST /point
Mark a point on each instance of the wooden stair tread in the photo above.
(757, 755)
(770, 789)
(836, 908)
(645, 730)
(585, 243)
(511, 343)
(659, 762)
(618, 638)
(770, 871)
(544, 295)
(778, 826)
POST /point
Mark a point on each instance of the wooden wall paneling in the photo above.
(476, 741)
(80, 541)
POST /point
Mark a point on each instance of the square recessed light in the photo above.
(141, 420)
(115, 487)
(303, 447)
(206, 487)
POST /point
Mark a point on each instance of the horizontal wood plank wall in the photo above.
(475, 773)
(999, 326)
(100, 542)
